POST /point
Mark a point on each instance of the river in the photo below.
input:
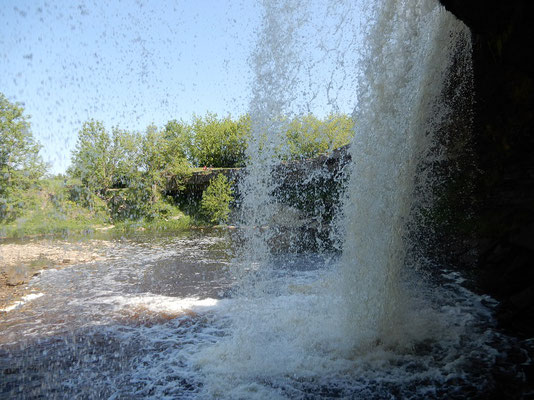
(84, 321)
(158, 319)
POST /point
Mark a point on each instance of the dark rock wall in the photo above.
(503, 57)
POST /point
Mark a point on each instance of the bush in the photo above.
(49, 209)
(215, 204)
(308, 136)
(21, 167)
(80, 194)
(219, 143)
(131, 203)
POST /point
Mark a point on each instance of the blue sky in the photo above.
(130, 63)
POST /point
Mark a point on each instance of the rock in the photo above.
(503, 137)
(525, 238)
(16, 276)
(524, 300)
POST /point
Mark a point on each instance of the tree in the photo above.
(125, 157)
(215, 203)
(162, 158)
(308, 136)
(219, 142)
(92, 160)
(339, 129)
(179, 137)
(20, 163)
(129, 170)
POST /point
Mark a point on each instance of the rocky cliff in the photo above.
(503, 144)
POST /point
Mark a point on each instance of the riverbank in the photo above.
(19, 262)
(60, 228)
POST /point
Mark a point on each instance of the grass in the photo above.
(50, 222)
(49, 212)
(153, 225)
(45, 225)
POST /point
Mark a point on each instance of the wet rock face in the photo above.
(504, 147)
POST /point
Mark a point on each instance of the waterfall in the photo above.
(275, 63)
(408, 56)
(346, 315)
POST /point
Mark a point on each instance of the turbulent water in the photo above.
(349, 317)
(156, 320)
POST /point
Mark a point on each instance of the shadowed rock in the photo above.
(504, 146)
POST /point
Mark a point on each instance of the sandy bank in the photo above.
(19, 262)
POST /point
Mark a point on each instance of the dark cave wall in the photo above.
(503, 142)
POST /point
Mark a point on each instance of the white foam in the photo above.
(25, 299)
(152, 303)
(285, 345)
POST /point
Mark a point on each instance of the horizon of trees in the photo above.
(129, 170)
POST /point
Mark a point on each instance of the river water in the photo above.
(158, 319)
(85, 329)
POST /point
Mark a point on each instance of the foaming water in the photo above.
(22, 301)
(122, 328)
(408, 57)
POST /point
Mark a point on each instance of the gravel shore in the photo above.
(19, 262)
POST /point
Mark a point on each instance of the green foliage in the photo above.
(308, 136)
(81, 195)
(49, 209)
(215, 203)
(153, 152)
(20, 163)
(179, 138)
(160, 162)
(122, 176)
(219, 143)
(58, 206)
(92, 159)
(160, 158)
(133, 202)
(177, 223)
(128, 171)
(125, 157)
(64, 207)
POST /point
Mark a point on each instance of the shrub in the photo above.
(131, 203)
(308, 136)
(21, 167)
(215, 203)
(219, 143)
